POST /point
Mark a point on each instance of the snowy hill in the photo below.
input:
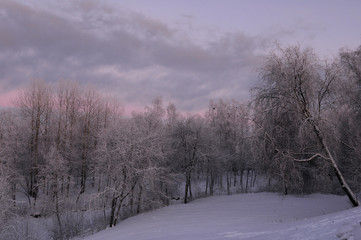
(245, 216)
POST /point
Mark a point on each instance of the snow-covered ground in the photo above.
(244, 216)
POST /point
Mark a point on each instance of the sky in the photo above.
(186, 52)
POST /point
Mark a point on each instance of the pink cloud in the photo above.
(129, 109)
(6, 99)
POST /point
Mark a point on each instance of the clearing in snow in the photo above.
(245, 216)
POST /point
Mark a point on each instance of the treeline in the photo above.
(68, 149)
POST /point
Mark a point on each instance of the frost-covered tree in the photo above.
(35, 104)
(299, 89)
(187, 141)
(350, 117)
(55, 176)
(90, 124)
(5, 183)
(155, 182)
(5, 193)
(129, 154)
(66, 126)
(230, 123)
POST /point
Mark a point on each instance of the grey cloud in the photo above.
(121, 52)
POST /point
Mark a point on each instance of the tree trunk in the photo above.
(68, 187)
(285, 186)
(112, 212)
(221, 181)
(190, 188)
(339, 175)
(211, 186)
(235, 178)
(269, 183)
(13, 193)
(167, 197)
(247, 180)
(57, 213)
(131, 203)
(93, 181)
(100, 182)
(83, 177)
(254, 179)
(187, 188)
(241, 179)
(186, 192)
(207, 179)
(228, 183)
(139, 199)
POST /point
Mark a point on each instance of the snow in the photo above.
(245, 216)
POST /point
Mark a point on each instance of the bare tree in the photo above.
(11, 148)
(55, 175)
(230, 122)
(154, 182)
(349, 129)
(91, 108)
(187, 143)
(5, 196)
(6, 168)
(35, 104)
(129, 155)
(66, 121)
(296, 83)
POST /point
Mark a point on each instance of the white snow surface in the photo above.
(244, 216)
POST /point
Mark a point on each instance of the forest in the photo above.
(69, 154)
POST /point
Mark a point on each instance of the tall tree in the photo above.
(55, 175)
(66, 124)
(130, 155)
(297, 84)
(230, 121)
(350, 132)
(187, 143)
(7, 170)
(35, 105)
(90, 123)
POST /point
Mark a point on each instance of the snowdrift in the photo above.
(245, 216)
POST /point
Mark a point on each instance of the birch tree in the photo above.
(297, 83)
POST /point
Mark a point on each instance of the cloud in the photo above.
(121, 52)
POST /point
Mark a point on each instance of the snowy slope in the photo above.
(245, 216)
